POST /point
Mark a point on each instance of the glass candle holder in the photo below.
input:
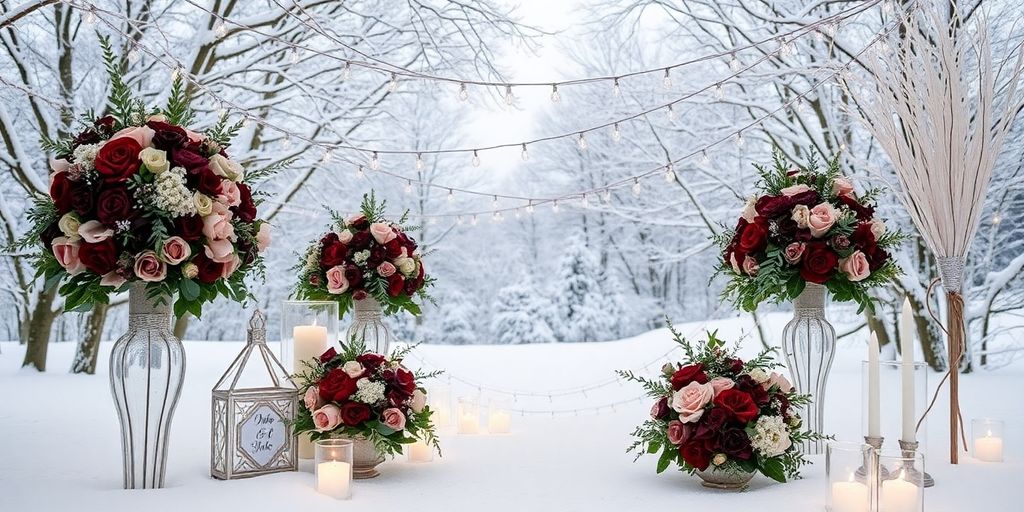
(849, 473)
(308, 328)
(903, 489)
(894, 424)
(440, 399)
(419, 451)
(468, 416)
(988, 439)
(333, 470)
(499, 416)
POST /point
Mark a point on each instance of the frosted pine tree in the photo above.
(459, 316)
(588, 308)
(519, 316)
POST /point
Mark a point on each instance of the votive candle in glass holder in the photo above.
(308, 328)
(988, 439)
(849, 472)
(440, 399)
(903, 489)
(419, 451)
(333, 470)
(468, 416)
(499, 416)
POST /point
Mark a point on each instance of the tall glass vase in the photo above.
(809, 344)
(147, 369)
(368, 327)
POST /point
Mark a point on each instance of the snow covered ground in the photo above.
(60, 444)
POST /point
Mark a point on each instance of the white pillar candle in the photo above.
(907, 340)
(308, 342)
(499, 422)
(874, 393)
(334, 478)
(306, 448)
(420, 452)
(849, 496)
(988, 448)
(441, 414)
(899, 495)
(469, 423)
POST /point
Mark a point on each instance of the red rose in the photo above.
(660, 409)
(246, 210)
(396, 285)
(863, 238)
(355, 413)
(715, 418)
(204, 180)
(735, 443)
(209, 270)
(166, 136)
(99, 258)
(808, 198)
(188, 159)
(61, 191)
(118, 159)
(354, 276)
(360, 223)
(105, 123)
(688, 374)
(393, 249)
(695, 454)
(773, 206)
(863, 212)
(113, 205)
(359, 295)
(328, 355)
(819, 263)
(333, 255)
(82, 200)
(337, 385)
(735, 365)
(370, 360)
(87, 136)
(738, 404)
(397, 397)
(189, 227)
(360, 240)
(754, 237)
(405, 380)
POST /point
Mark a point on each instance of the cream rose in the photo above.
(155, 160)
(877, 228)
(749, 212)
(69, 225)
(353, 369)
(336, 282)
(311, 399)
(189, 270)
(842, 186)
(148, 267)
(419, 401)
(719, 384)
(822, 218)
(66, 252)
(327, 418)
(382, 233)
(226, 168)
(760, 376)
(793, 190)
(801, 214)
(855, 266)
(407, 266)
(160, 118)
(203, 203)
(263, 237)
(794, 252)
(59, 165)
(94, 232)
(175, 250)
(689, 401)
(777, 379)
(345, 236)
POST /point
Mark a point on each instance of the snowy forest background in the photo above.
(607, 269)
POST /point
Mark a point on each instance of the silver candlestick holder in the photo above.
(862, 472)
(909, 449)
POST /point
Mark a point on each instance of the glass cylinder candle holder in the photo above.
(499, 416)
(988, 439)
(850, 474)
(440, 400)
(903, 489)
(468, 416)
(894, 422)
(419, 451)
(333, 470)
(308, 328)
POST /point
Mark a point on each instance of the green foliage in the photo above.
(124, 107)
(179, 110)
(223, 131)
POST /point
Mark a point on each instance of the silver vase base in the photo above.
(862, 472)
(364, 474)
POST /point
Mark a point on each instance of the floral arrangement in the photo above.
(136, 196)
(806, 226)
(364, 256)
(715, 409)
(359, 394)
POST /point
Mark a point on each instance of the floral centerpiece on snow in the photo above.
(804, 226)
(716, 411)
(364, 256)
(363, 395)
(136, 196)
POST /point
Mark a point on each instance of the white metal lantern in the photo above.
(253, 407)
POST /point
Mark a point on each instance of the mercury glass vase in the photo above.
(728, 479)
(368, 327)
(147, 368)
(809, 345)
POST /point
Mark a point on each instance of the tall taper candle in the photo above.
(907, 372)
(874, 393)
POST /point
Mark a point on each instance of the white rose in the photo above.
(419, 401)
(406, 266)
(345, 236)
(759, 375)
(800, 215)
(877, 228)
(226, 168)
(749, 212)
(353, 369)
(155, 160)
(69, 225)
(204, 204)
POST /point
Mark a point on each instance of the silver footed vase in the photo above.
(809, 345)
(147, 369)
(368, 327)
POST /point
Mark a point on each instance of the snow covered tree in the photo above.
(519, 316)
(459, 318)
(588, 309)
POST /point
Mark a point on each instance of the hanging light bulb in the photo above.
(133, 54)
(517, 213)
(346, 72)
(585, 201)
(616, 134)
(555, 96)
(494, 203)
(90, 17)
(529, 207)
(606, 195)
(581, 142)
(286, 143)
(393, 84)
(554, 206)
(738, 139)
(524, 154)
(476, 159)
(220, 30)
(704, 158)
(497, 217)
(670, 173)
(509, 98)
(419, 162)
(616, 90)
(359, 172)
(458, 220)
(327, 156)
(451, 195)
(666, 81)
(887, 9)
(719, 91)
(636, 187)
(463, 92)
(408, 187)
(671, 113)
(734, 63)
(996, 218)
(375, 161)
(295, 55)
(472, 220)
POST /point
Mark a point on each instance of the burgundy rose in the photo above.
(863, 212)
(166, 136)
(695, 454)
(808, 198)
(396, 285)
(688, 374)
(862, 237)
(405, 380)
(735, 443)
(738, 404)
(204, 180)
(118, 159)
(370, 360)
(52, 231)
(397, 397)
(876, 258)
(772, 206)
(393, 249)
(659, 410)
(246, 209)
(377, 256)
(189, 227)
(411, 285)
(188, 159)
(360, 240)
(819, 263)
(87, 136)
(105, 123)
(360, 223)
(100, 257)
(61, 191)
(328, 355)
(354, 276)
(359, 295)
(715, 418)
(333, 254)
(314, 279)
(754, 236)
(336, 385)
(82, 200)
(209, 270)
(355, 413)
(735, 364)
(113, 205)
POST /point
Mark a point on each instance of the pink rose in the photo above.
(94, 232)
(312, 398)
(345, 236)
(719, 384)
(386, 269)
(419, 401)
(877, 228)
(382, 233)
(777, 379)
(336, 282)
(220, 251)
(353, 369)
(141, 134)
(393, 418)
(749, 213)
(229, 193)
(194, 136)
(148, 267)
(66, 253)
(855, 266)
(750, 266)
(59, 164)
(230, 266)
(842, 186)
(217, 225)
(689, 401)
(679, 432)
(822, 218)
(734, 263)
(327, 418)
(112, 279)
(263, 237)
(176, 250)
(794, 252)
(795, 189)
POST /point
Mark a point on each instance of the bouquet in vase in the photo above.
(806, 225)
(716, 412)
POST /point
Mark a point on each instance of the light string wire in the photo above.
(533, 201)
(373, 154)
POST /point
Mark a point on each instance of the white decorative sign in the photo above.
(263, 435)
